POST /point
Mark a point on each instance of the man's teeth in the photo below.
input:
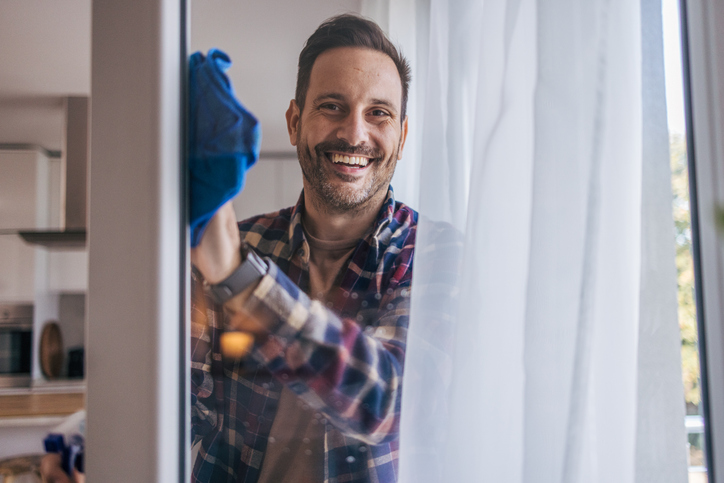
(351, 160)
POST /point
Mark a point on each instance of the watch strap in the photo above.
(251, 270)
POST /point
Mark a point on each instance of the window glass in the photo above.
(684, 259)
(265, 418)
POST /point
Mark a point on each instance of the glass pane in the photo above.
(263, 413)
(684, 258)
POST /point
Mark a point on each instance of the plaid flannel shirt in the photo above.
(344, 359)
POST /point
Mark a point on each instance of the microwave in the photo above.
(16, 344)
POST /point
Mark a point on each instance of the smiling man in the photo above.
(323, 287)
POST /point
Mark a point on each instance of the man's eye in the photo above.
(379, 112)
(330, 107)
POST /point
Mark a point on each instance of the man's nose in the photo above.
(354, 129)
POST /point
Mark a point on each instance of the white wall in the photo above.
(271, 184)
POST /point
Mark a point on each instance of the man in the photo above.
(323, 286)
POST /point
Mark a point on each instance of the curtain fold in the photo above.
(659, 455)
(543, 344)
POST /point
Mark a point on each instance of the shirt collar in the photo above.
(296, 232)
(386, 214)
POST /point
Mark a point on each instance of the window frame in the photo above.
(703, 51)
(137, 362)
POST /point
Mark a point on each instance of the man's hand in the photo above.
(51, 470)
(218, 253)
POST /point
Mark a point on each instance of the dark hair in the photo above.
(348, 30)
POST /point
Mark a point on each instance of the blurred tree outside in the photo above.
(685, 273)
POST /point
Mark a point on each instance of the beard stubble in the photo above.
(333, 198)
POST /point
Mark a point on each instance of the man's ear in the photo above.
(403, 137)
(293, 116)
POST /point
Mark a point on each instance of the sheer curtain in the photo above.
(543, 344)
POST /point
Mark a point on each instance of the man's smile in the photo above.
(354, 163)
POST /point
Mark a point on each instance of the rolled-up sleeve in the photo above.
(350, 372)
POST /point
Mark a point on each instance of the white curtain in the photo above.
(543, 344)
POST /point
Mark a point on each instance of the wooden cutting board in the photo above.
(51, 350)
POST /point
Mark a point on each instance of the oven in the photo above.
(16, 344)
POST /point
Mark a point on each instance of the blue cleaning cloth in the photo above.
(224, 139)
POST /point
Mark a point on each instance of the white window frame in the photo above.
(137, 377)
(704, 45)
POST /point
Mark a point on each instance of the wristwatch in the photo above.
(251, 270)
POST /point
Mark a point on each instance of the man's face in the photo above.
(349, 135)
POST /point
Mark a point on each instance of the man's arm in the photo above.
(217, 255)
(350, 375)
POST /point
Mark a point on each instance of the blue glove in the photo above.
(224, 139)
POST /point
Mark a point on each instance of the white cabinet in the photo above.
(29, 200)
(24, 189)
(17, 270)
(54, 281)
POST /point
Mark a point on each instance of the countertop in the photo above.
(40, 404)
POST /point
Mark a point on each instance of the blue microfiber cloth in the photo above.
(224, 139)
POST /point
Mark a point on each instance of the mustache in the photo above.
(344, 147)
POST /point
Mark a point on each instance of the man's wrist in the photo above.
(217, 256)
(230, 266)
(250, 269)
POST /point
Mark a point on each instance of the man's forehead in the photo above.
(343, 72)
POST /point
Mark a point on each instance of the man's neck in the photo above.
(329, 225)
